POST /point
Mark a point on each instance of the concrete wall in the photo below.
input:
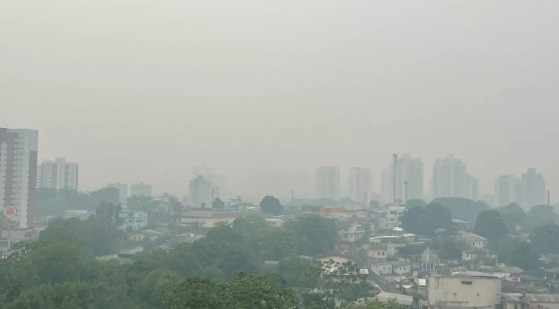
(470, 291)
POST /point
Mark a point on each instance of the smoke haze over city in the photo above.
(145, 90)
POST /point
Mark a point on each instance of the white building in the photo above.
(140, 189)
(360, 184)
(526, 191)
(134, 220)
(506, 190)
(451, 179)
(409, 179)
(328, 182)
(531, 189)
(18, 174)
(58, 174)
(201, 193)
(464, 291)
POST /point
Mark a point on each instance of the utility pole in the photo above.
(395, 158)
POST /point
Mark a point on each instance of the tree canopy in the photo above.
(271, 205)
(425, 220)
(490, 225)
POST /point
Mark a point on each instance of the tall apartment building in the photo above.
(201, 193)
(217, 180)
(328, 182)
(531, 191)
(18, 174)
(140, 189)
(409, 179)
(58, 174)
(526, 191)
(451, 179)
(360, 184)
(506, 190)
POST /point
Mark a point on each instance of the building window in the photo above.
(467, 283)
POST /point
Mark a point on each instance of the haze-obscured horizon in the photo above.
(146, 90)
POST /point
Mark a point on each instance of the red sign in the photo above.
(9, 211)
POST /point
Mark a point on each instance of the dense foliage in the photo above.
(60, 270)
(427, 219)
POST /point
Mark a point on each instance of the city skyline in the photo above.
(344, 182)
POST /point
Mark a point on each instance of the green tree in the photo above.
(539, 216)
(346, 282)
(242, 291)
(271, 205)
(425, 220)
(59, 262)
(462, 208)
(17, 273)
(218, 203)
(513, 251)
(450, 249)
(73, 295)
(546, 238)
(315, 235)
(513, 216)
(490, 225)
(298, 272)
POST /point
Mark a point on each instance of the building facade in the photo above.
(531, 191)
(140, 189)
(360, 184)
(409, 180)
(464, 291)
(527, 191)
(58, 175)
(328, 182)
(451, 179)
(506, 190)
(122, 191)
(201, 193)
(18, 175)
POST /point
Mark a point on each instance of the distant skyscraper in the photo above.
(328, 182)
(531, 191)
(58, 174)
(409, 179)
(201, 193)
(122, 191)
(18, 174)
(506, 190)
(360, 184)
(217, 180)
(140, 189)
(451, 179)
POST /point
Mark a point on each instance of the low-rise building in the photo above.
(473, 240)
(134, 220)
(464, 291)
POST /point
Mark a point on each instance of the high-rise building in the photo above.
(409, 179)
(18, 174)
(506, 190)
(328, 182)
(217, 180)
(57, 174)
(201, 193)
(122, 191)
(140, 189)
(451, 179)
(531, 190)
(360, 184)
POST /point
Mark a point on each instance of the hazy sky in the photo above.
(138, 90)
